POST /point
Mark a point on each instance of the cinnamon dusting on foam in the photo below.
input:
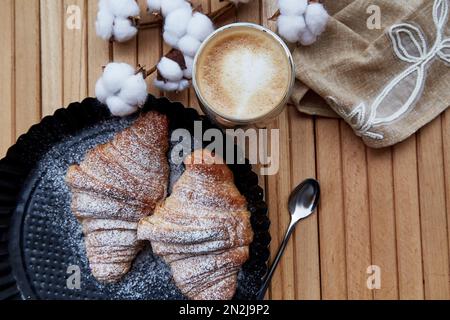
(243, 73)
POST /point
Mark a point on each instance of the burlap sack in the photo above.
(386, 83)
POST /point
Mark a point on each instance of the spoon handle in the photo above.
(262, 292)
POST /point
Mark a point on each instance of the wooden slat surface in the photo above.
(357, 214)
(388, 208)
(27, 66)
(7, 88)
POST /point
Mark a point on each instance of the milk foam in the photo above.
(244, 74)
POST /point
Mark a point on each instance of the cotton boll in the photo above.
(134, 90)
(121, 89)
(292, 7)
(159, 84)
(124, 30)
(189, 65)
(183, 85)
(104, 24)
(115, 74)
(171, 86)
(103, 5)
(307, 38)
(101, 92)
(124, 8)
(168, 86)
(168, 6)
(200, 26)
(177, 21)
(171, 39)
(170, 70)
(120, 108)
(290, 27)
(316, 18)
(154, 5)
(189, 45)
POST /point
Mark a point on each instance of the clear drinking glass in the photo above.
(228, 121)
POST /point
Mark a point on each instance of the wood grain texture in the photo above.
(7, 90)
(99, 51)
(433, 215)
(382, 216)
(75, 51)
(332, 239)
(357, 214)
(446, 152)
(407, 215)
(52, 25)
(389, 208)
(306, 236)
(27, 65)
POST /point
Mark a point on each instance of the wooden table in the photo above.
(388, 208)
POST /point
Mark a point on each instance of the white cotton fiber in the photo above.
(171, 86)
(183, 85)
(290, 27)
(184, 30)
(124, 8)
(103, 5)
(170, 70)
(113, 19)
(189, 65)
(115, 74)
(200, 26)
(307, 38)
(159, 84)
(177, 21)
(292, 7)
(121, 89)
(154, 5)
(134, 90)
(301, 21)
(168, 6)
(101, 92)
(316, 18)
(123, 29)
(168, 86)
(171, 39)
(104, 24)
(120, 108)
(189, 45)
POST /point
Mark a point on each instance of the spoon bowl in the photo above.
(304, 200)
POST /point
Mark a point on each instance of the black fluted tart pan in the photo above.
(41, 243)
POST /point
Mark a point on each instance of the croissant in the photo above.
(202, 230)
(115, 186)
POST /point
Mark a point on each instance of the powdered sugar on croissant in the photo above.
(202, 230)
(115, 186)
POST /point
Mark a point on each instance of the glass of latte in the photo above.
(243, 74)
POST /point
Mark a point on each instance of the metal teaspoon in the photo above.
(303, 202)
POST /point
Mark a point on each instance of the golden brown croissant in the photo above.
(115, 186)
(202, 230)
